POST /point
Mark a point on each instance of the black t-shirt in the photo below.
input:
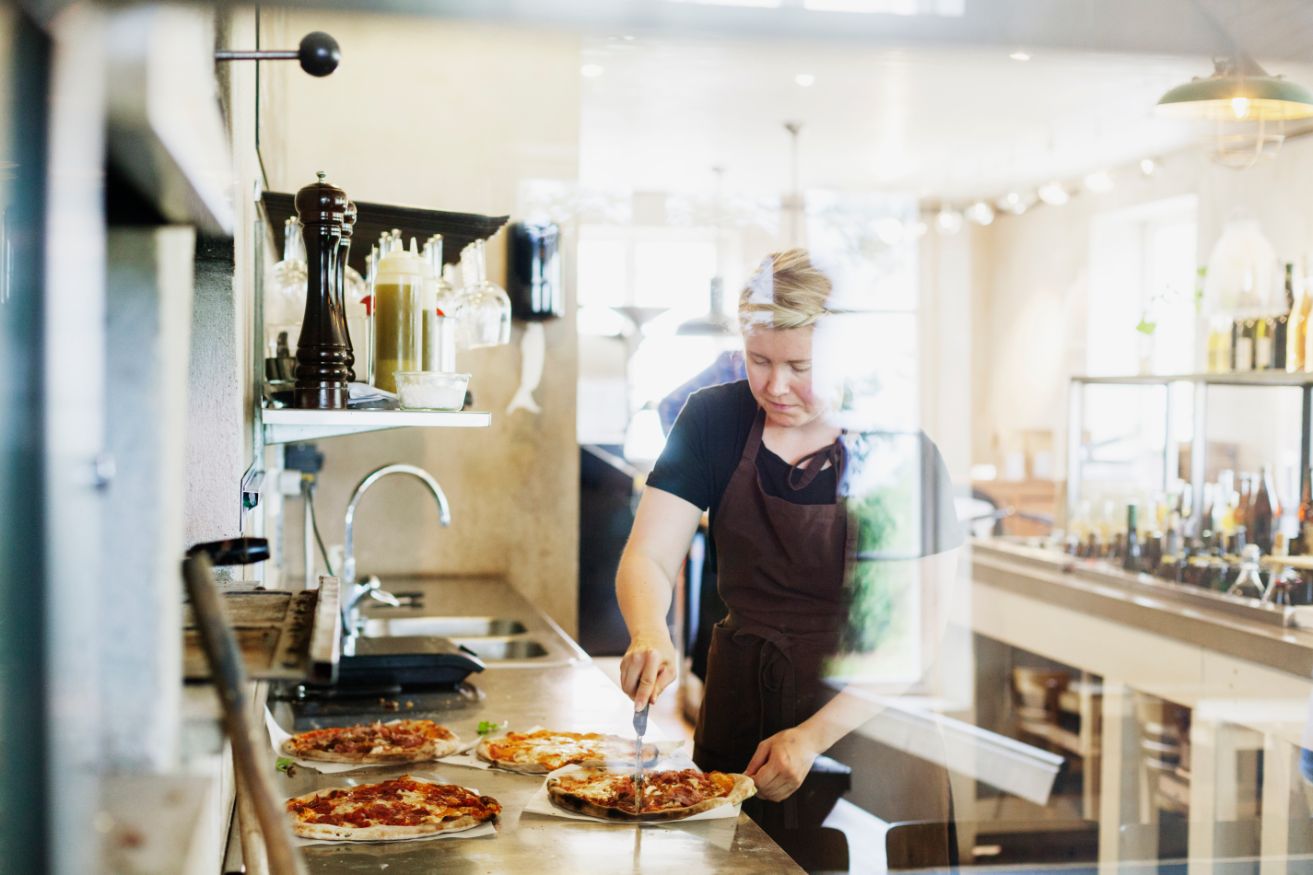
(905, 468)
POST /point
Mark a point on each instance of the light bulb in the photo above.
(1148, 166)
(1240, 107)
(1054, 194)
(1020, 56)
(805, 80)
(981, 213)
(948, 221)
(1098, 182)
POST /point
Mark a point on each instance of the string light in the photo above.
(1055, 193)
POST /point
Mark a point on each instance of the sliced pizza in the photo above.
(673, 794)
(544, 750)
(397, 741)
(402, 808)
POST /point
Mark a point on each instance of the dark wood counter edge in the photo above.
(1284, 650)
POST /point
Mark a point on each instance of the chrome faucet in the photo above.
(355, 592)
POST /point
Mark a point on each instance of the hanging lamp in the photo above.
(713, 323)
(1248, 106)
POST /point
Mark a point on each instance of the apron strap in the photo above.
(812, 464)
(777, 680)
(754, 437)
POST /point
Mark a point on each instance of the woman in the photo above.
(764, 459)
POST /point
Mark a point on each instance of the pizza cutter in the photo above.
(640, 728)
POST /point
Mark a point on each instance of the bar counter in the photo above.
(1241, 669)
(573, 696)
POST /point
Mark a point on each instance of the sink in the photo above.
(497, 641)
(443, 627)
(503, 649)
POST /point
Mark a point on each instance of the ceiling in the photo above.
(950, 123)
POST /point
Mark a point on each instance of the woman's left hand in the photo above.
(781, 762)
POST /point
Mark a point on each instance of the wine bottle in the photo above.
(1264, 328)
(1303, 543)
(1131, 551)
(1244, 502)
(1297, 328)
(1242, 346)
(1280, 325)
(1263, 511)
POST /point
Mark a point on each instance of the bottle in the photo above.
(1305, 338)
(1304, 539)
(1249, 584)
(445, 296)
(398, 325)
(1218, 347)
(1280, 325)
(1242, 344)
(1131, 550)
(1263, 511)
(284, 289)
(1264, 343)
(1243, 502)
(1296, 326)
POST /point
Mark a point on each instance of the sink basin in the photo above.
(442, 627)
(493, 650)
(498, 642)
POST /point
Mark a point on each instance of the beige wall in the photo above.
(452, 116)
(1029, 334)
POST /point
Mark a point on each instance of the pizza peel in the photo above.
(230, 685)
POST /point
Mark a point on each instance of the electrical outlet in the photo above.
(305, 458)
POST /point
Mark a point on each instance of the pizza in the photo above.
(543, 750)
(667, 795)
(397, 741)
(402, 808)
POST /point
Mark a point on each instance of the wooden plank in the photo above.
(326, 633)
(249, 750)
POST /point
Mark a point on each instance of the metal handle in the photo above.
(318, 53)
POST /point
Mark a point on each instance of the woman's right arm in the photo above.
(663, 529)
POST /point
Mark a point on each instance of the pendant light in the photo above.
(792, 204)
(713, 323)
(1248, 106)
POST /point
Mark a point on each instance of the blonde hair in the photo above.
(785, 291)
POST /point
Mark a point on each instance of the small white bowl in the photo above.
(431, 390)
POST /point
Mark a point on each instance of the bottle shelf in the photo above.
(289, 425)
(1236, 378)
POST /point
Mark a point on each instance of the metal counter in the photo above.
(1222, 624)
(574, 696)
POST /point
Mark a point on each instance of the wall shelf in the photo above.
(1077, 451)
(1237, 378)
(288, 425)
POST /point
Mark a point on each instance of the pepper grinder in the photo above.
(343, 250)
(323, 353)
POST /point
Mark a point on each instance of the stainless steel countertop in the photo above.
(1054, 577)
(576, 696)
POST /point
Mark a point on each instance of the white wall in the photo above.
(1029, 336)
(447, 115)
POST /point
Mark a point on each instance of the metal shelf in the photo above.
(1201, 382)
(288, 425)
(1238, 378)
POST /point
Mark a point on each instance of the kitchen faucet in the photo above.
(357, 591)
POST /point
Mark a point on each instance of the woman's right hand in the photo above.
(648, 667)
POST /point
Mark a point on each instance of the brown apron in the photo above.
(780, 568)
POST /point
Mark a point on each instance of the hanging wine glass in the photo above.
(285, 290)
(484, 315)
